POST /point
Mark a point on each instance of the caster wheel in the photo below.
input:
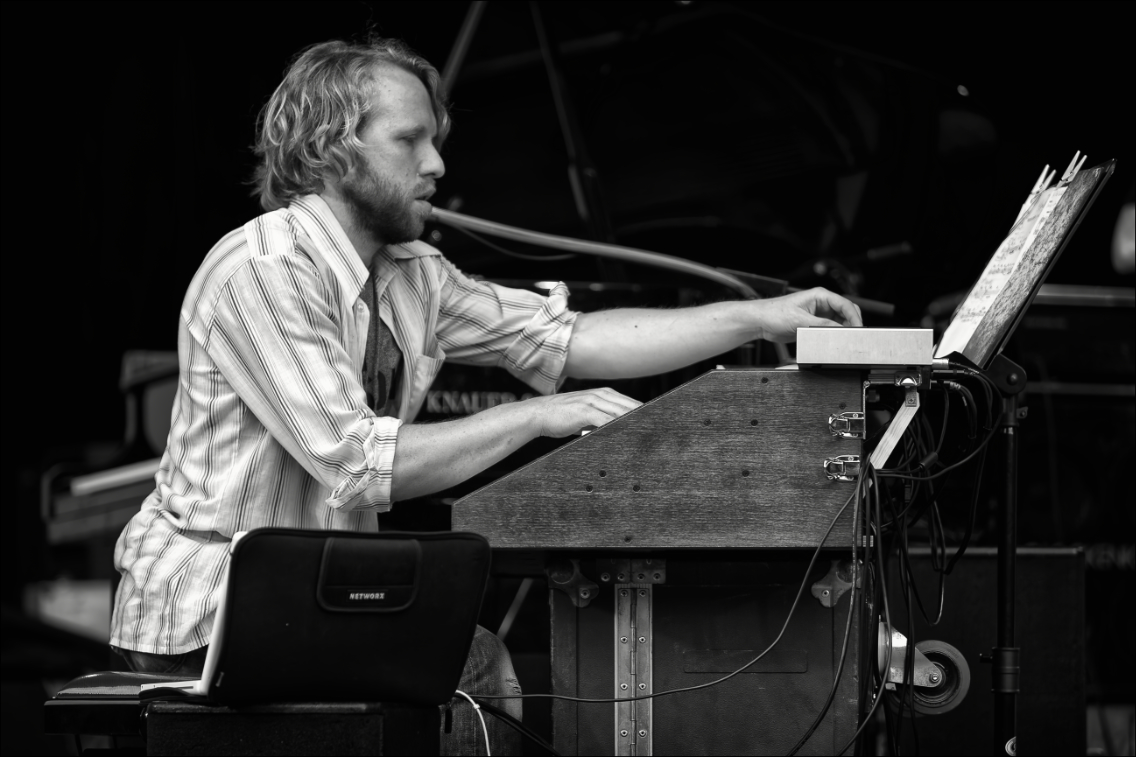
(956, 679)
(947, 695)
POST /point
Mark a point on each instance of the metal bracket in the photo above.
(640, 570)
(836, 582)
(1007, 669)
(896, 428)
(849, 425)
(842, 468)
(566, 576)
(926, 673)
(634, 640)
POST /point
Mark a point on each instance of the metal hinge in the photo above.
(849, 425)
(842, 468)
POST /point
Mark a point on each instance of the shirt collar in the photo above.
(321, 226)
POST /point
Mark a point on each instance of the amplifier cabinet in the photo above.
(1050, 632)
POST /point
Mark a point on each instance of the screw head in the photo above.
(658, 576)
(642, 687)
(585, 593)
(642, 639)
(933, 677)
(622, 592)
(623, 686)
(622, 639)
(824, 593)
(622, 578)
(605, 577)
(623, 733)
(641, 576)
(642, 732)
(642, 592)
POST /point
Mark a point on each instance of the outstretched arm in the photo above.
(435, 456)
(632, 342)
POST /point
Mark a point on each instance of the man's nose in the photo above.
(433, 165)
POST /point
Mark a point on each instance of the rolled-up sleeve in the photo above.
(274, 337)
(481, 323)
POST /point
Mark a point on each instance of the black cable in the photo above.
(843, 649)
(883, 554)
(971, 409)
(938, 539)
(950, 467)
(914, 503)
(973, 515)
(887, 659)
(915, 589)
(909, 667)
(728, 676)
(946, 413)
(517, 726)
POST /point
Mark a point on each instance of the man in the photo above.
(309, 337)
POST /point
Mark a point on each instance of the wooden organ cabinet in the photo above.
(674, 540)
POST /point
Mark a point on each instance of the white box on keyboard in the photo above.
(837, 347)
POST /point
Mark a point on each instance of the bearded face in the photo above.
(378, 205)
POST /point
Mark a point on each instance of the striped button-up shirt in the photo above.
(270, 425)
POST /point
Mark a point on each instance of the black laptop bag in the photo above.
(325, 616)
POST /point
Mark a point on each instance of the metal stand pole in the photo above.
(461, 44)
(1006, 656)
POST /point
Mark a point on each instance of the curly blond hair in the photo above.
(310, 125)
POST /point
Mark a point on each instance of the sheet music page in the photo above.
(998, 274)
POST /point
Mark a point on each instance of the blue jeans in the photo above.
(487, 671)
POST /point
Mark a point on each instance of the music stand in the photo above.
(976, 336)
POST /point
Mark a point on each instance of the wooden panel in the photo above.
(709, 609)
(733, 458)
(563, 653)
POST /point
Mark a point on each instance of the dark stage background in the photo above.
(763, 137)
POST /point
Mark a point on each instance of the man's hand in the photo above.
(780, 317)
(560, 415)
